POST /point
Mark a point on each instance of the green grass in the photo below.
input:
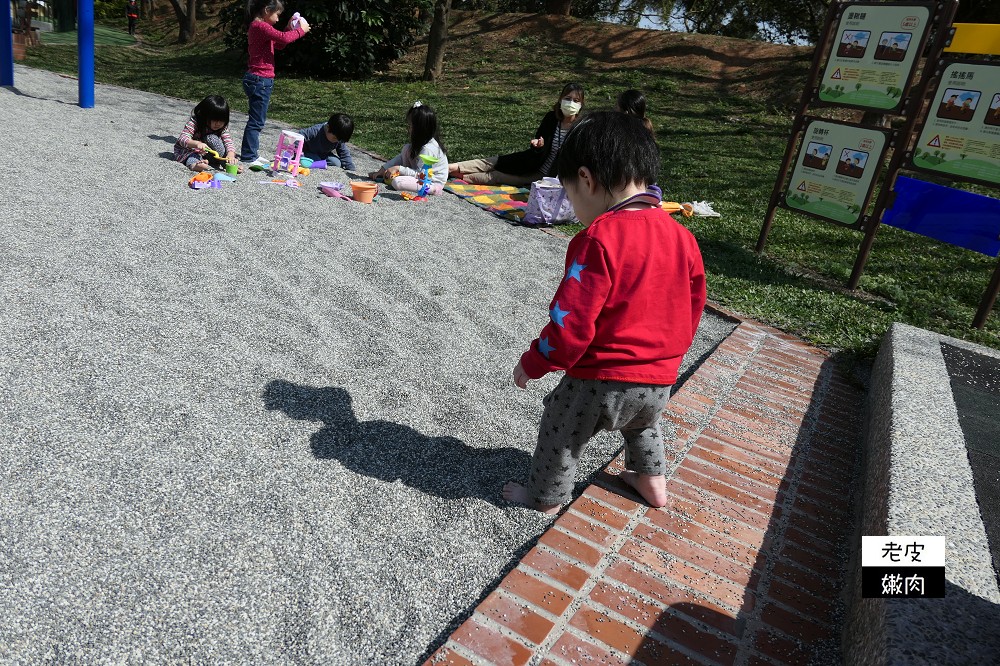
(103, 36)
(716, 147)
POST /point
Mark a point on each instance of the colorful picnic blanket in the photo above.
(502, 200)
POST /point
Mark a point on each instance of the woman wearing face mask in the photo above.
(540, 159)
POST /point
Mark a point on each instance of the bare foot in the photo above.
(515, 492)
(652, 487)
(200, 166)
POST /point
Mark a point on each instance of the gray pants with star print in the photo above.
(578, 409)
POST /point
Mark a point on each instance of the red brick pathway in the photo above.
(746, 563)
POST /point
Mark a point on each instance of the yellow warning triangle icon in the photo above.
(802, 186)
(935, 142)
(836, 74)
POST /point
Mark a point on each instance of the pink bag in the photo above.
(548, 204)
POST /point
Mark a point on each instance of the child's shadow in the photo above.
(441, 466)
(165, 139)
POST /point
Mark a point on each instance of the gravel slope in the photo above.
(249, 425)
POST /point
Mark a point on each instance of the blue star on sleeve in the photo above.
(544, 347)
(575, 270)
(558, 315)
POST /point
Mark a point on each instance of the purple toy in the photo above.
(318, 164)
(295, 20)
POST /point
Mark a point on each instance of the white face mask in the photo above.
(569, 107)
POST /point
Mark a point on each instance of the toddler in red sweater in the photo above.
(621, 320)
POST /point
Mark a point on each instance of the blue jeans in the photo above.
(258, 91)
(331, 160)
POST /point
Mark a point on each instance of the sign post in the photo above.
(858, 73)
(835, 171)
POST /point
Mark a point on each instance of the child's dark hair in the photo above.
(257, 8)
(213, 107)
(423, 127)
(615, 147)
(567, 89)
(341, 126)
(633, 103)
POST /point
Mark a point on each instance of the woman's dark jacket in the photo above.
(532, 159)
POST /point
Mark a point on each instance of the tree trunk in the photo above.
(561, 7)
(192, 17)
(437, 40)
(146, 8)
(186, 20)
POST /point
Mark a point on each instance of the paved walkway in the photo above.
(746, 563)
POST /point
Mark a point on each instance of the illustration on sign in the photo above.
(892, 46)
(958, 104)
(817, 155)
(993, 115)
(866, 73)
(837, 194)
(852, 163)
(961, 135)
(853, 44)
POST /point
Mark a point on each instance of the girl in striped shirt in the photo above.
(206, 129)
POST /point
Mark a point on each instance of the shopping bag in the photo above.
(548, 204)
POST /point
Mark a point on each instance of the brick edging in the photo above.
(724, 572)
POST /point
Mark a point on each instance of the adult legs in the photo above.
(469, 167)
(500, 178)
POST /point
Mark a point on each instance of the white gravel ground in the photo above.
(255, 425)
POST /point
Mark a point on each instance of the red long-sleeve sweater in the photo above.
(262, 39)
(629, 304)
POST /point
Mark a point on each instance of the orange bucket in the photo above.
(362, 191)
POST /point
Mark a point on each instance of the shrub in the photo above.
(347, 39)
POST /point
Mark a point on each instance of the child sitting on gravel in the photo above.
(328, 141)
(623, 317)
(206, 129)
(402, 172)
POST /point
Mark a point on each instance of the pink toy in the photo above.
(289, 152)
(335, 190)
(295, 20)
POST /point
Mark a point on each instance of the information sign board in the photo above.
(835, 170)
(873, 54)
(961, 134)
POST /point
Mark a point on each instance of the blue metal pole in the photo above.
(85, 51)
(6, 47)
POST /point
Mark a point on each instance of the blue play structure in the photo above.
(961, 218)
(84, 47)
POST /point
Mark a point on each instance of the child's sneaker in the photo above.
(260, 164)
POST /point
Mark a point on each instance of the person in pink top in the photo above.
(262, 40)
(624, 314)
